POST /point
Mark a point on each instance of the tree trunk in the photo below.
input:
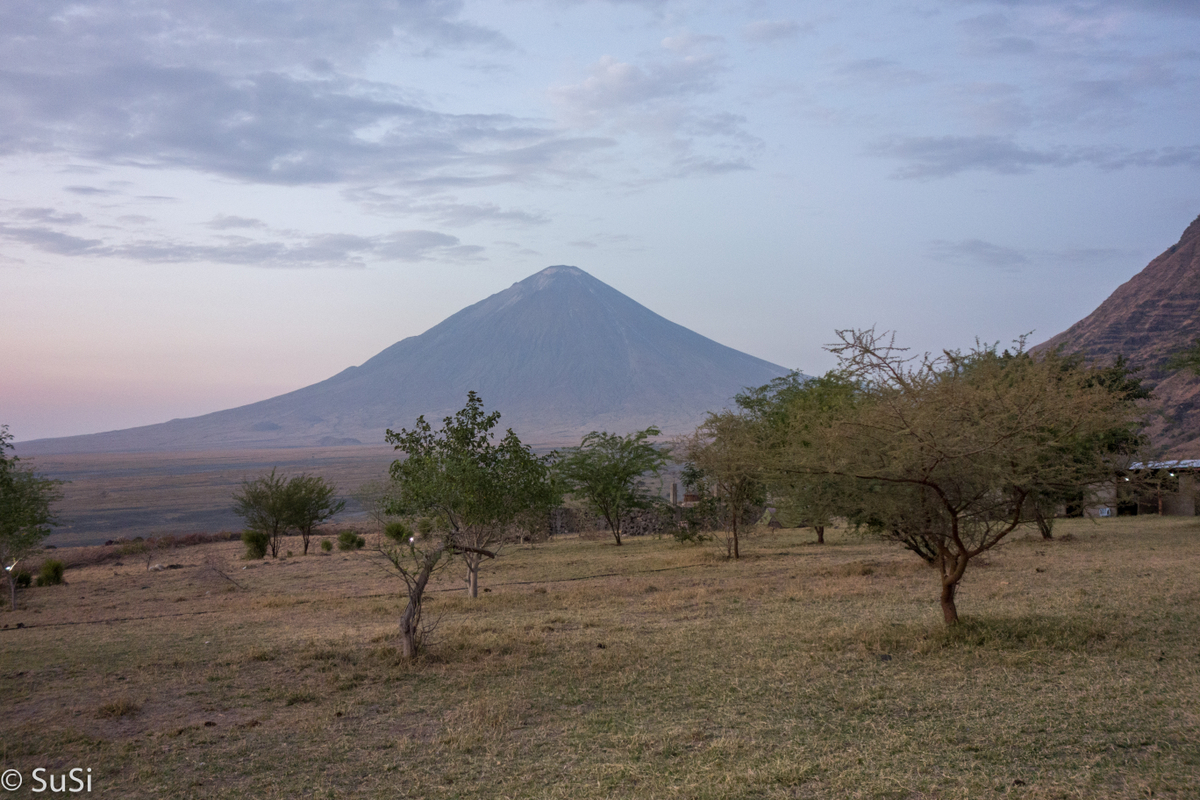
(10, 576)
(820, 529)
(305, 537)
(472, 574)
(949, 610)
(736, 552)
(1045, 524)
(410, 620)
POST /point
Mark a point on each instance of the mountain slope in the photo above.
(1154, 314)
(558, 354)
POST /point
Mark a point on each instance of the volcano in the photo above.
(1147, 319)
(559, 354)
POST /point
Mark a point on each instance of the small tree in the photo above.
(25, 513)
(477, 487)
(416, 559)
(784, 413)
(263, 503)
(946, 452)
(606, 472)
(310, 501)
(726, 451)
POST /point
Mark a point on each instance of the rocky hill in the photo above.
(1147, 319)
(559, 354)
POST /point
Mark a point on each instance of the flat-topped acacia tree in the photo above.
(946, 452)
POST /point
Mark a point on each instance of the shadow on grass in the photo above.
(1032, 632)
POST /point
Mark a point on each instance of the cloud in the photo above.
(771, 31)
(445, 210)
(47, 215)
(222, 222)
(1187, 8)
(49, 241)
(620, 86)
(256, 92)
(664, 102)
(320, 251)
(978, 253)
(930, 157)
(90, 191)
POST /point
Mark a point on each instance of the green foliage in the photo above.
(399, 532)
(310, 500)
(263, 504)
(51, 573)
(606, 472)
(1188, 358)
(326, 545)
(23, 579)
(349, 540)
(256, 543)
(25, 511)
(785, 412)
(274, 505)
(460, 475)
(945, 454)
(725, 453)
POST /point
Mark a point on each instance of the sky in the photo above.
(210, 203)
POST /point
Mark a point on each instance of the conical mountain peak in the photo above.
(559, 354)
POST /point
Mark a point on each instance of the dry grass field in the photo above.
(654, 670)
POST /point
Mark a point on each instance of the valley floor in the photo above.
(653, 670)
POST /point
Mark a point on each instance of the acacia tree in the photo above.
(263, 503)
(726, 451)
(784, 412)
(946, 451)
(606, 472)
(25, 512)
(310, 500)
(476, 486)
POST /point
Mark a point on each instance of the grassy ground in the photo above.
(653, 670)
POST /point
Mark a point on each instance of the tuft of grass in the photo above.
(123, 707)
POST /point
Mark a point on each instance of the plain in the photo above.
(654, 670)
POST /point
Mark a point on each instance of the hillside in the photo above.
(1154, 314)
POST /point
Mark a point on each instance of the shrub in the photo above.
(686, 533)
(23, 579)
(349, 540)
(398, 532)
(51, 573)
(326, 545)
(256, 543)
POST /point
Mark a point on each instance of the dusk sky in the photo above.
(209, 203)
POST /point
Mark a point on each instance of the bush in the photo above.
(688, 534)
(51, 573)
(256, 543)
(349, 540)
(23, 579)
(326, 545)
(398, 532)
